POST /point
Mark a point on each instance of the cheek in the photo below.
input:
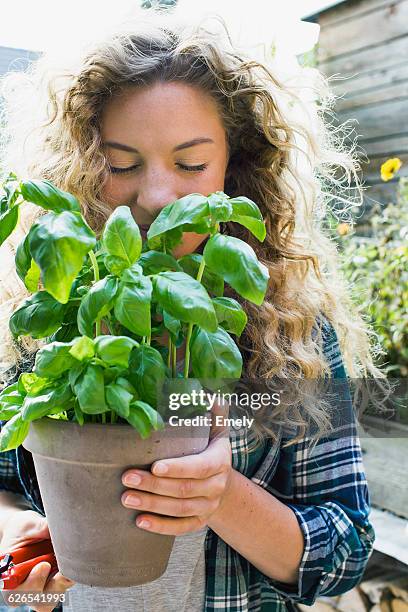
(116, 192)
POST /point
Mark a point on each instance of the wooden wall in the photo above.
(366, 43)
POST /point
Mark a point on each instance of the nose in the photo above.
(155, 191)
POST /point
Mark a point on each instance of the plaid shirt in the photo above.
(326, 488)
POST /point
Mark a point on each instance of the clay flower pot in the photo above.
(79, 469)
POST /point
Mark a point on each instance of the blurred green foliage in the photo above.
(377, 268)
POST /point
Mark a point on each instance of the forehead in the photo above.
(168, 110)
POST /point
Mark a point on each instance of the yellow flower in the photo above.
(343, 229)
(390, 167)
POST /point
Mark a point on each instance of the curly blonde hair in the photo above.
(283, 155)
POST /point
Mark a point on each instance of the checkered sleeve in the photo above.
(326, 488)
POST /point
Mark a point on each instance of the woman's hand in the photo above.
(187, 490)
(23, 528)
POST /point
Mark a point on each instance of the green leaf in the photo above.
(11, 401)
(154, 417)
(140, 421)
(54, 359)
(97, 302)
(30, 383)
(213, 282)
(13, 433)
(220, 206)
(82, 349)
(171, 324)
(121, 237)
(26, 267)
(48, 196)
(123, 382)
(39, 316)
(237, 263)
(115, 350)
(59, 243)
(214, 355)
(118, 399)
(51, 402)
(147, 372)
(90, 390)
(184, 298)
(132, 306)
(230, 315)
(154, 262)
(8, 222)
(246, 213)
(79, 415)
(189, 209)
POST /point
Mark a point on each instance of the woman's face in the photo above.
(151, 139)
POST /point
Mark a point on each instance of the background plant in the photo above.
(135, 291)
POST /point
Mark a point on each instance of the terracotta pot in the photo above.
(79, 470)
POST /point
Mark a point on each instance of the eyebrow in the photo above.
(184, 145)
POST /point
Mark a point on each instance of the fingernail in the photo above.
(133, 479)
(132, 500)
(143, 524)
(161, 468)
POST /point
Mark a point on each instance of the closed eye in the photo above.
(199, 168)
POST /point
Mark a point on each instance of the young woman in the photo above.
(151, 114)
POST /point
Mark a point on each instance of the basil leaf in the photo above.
(147, 372)
(48, 196)
(48, 403)
(115, 350)
(82, 348)
(8, 222)
(213, 282)
(230, 314)
(97, 302)
(247, 213)
(59, 243)
(189, 209)
(39, 316)
(219, 206)
(214, 355)
(184, 298)
(153, 416)
(90, 390)
(132, 306)
(118, 399)
(121, 237)
(13, 433)
(237, 263)
(140, 421)
(153, 262)
(54, 359)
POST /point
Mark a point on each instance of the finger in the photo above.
(36, 579)
(58, 584)
(170, 506)
(214, 459)
(170, 526)
(177, 487)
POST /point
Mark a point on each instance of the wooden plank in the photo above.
(386, 466)
(349, 10)
(360, 85)
(370, 29)
(391, 534)
(396, 91)
(366, 61)
(380, 193)
(377, 121)
(392, 147)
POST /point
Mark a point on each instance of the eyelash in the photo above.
(199, 168)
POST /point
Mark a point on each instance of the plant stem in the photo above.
(190, 325)
(169, 355)
(174, 366)
(96, 278)
(103, 417)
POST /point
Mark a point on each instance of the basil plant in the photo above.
(102, 304)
